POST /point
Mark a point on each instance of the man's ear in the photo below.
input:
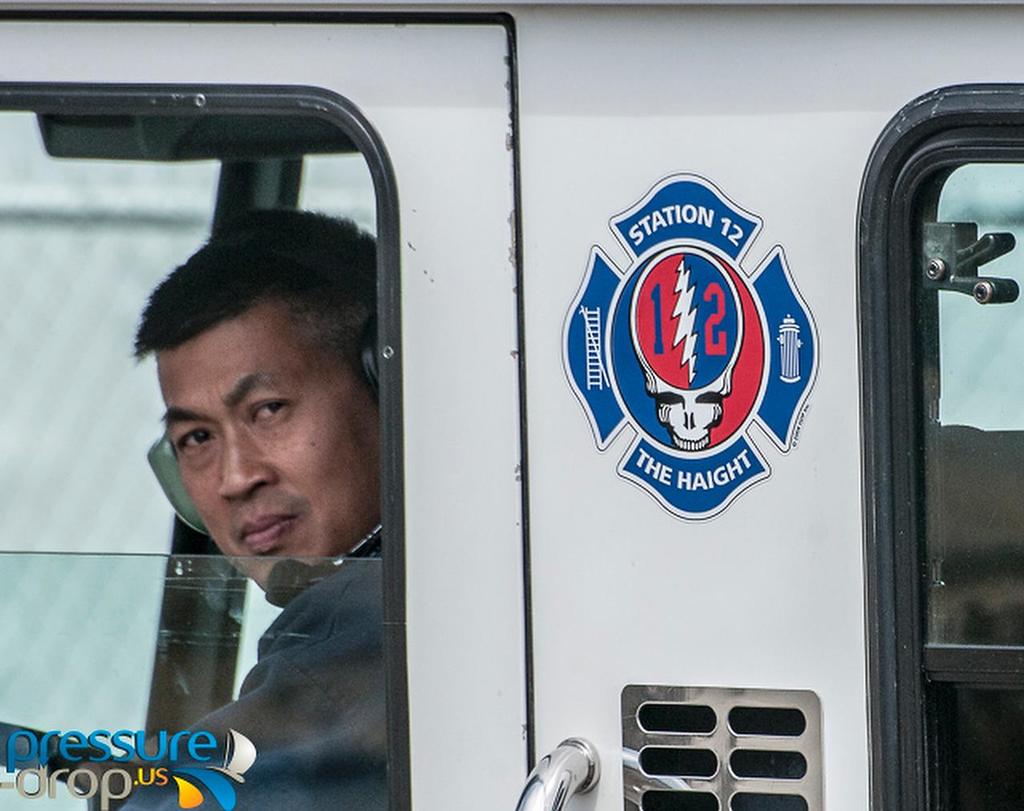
(368, 355)
(165, 467)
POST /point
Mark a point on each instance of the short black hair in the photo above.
(322, 268)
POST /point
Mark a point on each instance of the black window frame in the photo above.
(90, 99)
(947, 127)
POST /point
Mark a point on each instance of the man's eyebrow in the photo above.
(176, 414)
(245, 384)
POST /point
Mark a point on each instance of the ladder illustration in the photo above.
(597, 377)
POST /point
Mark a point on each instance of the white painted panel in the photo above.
(438, 97)
(780, 108)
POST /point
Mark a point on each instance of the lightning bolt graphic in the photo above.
(686, 311)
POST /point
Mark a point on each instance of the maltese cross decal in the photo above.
(689, 349)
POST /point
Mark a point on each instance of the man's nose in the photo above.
(244, 468)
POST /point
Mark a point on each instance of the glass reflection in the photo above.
(974, 435)
(305, 729)
(989, 752)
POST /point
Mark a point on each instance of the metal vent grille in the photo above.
(720, 749)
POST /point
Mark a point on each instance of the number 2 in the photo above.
(714, 343)
(735, 235)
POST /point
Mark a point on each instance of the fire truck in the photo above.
(702, 444)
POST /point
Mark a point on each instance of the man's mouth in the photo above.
(263, 535)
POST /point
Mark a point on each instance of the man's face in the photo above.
(276, 439)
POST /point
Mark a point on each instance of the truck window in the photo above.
(148, 628)
(941, 262)
(972, 461)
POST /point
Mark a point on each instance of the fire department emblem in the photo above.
(689, 349)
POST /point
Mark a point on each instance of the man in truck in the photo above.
(264, 348)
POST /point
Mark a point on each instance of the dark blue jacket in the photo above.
(314, 704)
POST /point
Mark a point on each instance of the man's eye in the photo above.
(269, 409)
(192, 440)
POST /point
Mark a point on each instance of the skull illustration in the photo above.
(690, 414)
(687, 325)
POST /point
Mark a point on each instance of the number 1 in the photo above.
(659, 347)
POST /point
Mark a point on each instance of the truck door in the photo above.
(945, 565)
(694, 539)
(263, 111)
